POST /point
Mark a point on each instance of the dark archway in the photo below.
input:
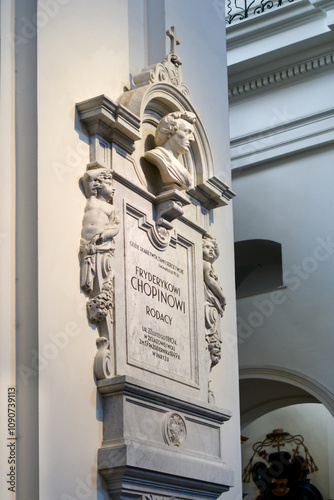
(258, 266)
(259, 396)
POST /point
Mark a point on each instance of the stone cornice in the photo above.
(112, 121)
(269, 23)
(280, 20)
(282, 140)
(130, 386)
(283, 75)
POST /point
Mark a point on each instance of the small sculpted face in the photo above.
(179, 142)
(106, 189)
(209, 251)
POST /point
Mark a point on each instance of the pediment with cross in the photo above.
(127, 129)
(167, 71)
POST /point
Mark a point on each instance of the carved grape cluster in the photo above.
(99, 306)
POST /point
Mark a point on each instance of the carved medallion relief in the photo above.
(174, 430)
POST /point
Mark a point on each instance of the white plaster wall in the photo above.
(290, 202)
(82, 53)
(7, 235)
(286, 335)
(281, 105)
(313, 422)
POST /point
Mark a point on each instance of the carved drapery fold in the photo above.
(214, 304)
(99, 228)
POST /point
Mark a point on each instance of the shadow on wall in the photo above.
(258, 266)
(260, 396)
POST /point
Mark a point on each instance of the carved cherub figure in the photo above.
(215, 302)
(100, 222)
(173, 137)
(213, 291)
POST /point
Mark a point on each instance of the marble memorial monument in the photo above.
(152, 293)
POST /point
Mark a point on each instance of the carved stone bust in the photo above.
(173, 137)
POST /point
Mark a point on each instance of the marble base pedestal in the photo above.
(157, 446)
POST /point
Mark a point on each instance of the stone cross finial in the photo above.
(174, 40)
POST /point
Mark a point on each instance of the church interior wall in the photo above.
(310, 420)
(291, 333)
(7, 215)
(280, 106)
(79, 51)
(281, 109)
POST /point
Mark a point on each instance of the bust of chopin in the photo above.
(173, 137)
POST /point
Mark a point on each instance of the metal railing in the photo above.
(243, 9)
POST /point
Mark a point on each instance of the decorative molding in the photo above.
(241, 13)
(282, 374)
(296, 135)
(156, 497)
(284, 75)
(327, 7)
(159, 239)
(151, 394)
(135, 459)
(112, 121)
(273, 22)
(212, 193)
(166, 71)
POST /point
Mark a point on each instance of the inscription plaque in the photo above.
(160, 302)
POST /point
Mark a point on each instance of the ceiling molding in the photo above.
(287, 138)
(283, 75)
(270, 22)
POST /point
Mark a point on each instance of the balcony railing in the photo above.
(237, 10)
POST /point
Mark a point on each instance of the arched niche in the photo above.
(259, 396)
(271, 387)
(258, 266)
(150, 104)
(122, 132)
